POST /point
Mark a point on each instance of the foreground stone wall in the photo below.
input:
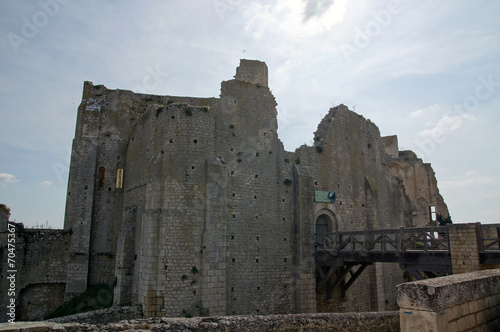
(4, 281)
(383, 321)
(41, 258)
(103, 316)
(461, 302)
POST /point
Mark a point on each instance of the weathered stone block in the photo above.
(456, 298)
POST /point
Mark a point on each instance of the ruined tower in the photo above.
(192, 206)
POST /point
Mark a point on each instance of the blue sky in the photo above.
(427, 71)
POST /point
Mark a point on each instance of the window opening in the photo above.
(321, 228)
(101, 177)
(119, 178)
(432, 213)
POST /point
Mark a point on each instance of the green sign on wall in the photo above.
(324, 196)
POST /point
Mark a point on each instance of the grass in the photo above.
(159, 110)
(94, 298)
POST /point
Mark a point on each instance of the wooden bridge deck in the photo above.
(423, 252)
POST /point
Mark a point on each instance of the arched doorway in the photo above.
(326, 222)
(323, 225)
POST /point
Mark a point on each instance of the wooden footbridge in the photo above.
(342, 256)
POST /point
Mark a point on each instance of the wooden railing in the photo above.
(428, 239)
(488, 238)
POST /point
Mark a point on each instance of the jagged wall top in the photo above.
(252, 71)
(391, 146)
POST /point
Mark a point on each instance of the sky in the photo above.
(427, 71)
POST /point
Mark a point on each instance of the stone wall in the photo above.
(103, 316)
(464, 248)
(179, 139)
(43, 255)
(349, 158)
(260, 227)
(206, 208)
(351, 322)
(94, 197)
(462, 302)
(36, 300)
(4, 281)
(41, 258)
(192, 205)
(419, 184)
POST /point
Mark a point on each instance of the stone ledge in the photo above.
(103, 316)
(440, 293)
(369, 321)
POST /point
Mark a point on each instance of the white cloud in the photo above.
(285, 116)
(492, 213)
(429, 110)
(295, 19)
(416, 114)
(46, 184)
(466, 182)
(447, 124)
(8, 178)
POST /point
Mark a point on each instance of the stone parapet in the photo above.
(455, 303)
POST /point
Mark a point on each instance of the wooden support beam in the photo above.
(416, 274)
(320, 271)
(353, 278)
(326, 277)
(429, 274)
(343, 272)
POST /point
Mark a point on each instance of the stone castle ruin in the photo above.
(192, 205)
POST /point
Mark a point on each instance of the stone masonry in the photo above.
(462, 302)
(349, 322)
(192, 206)
(464, 248)
(420, 185)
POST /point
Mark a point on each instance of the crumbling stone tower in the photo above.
(192, 205)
